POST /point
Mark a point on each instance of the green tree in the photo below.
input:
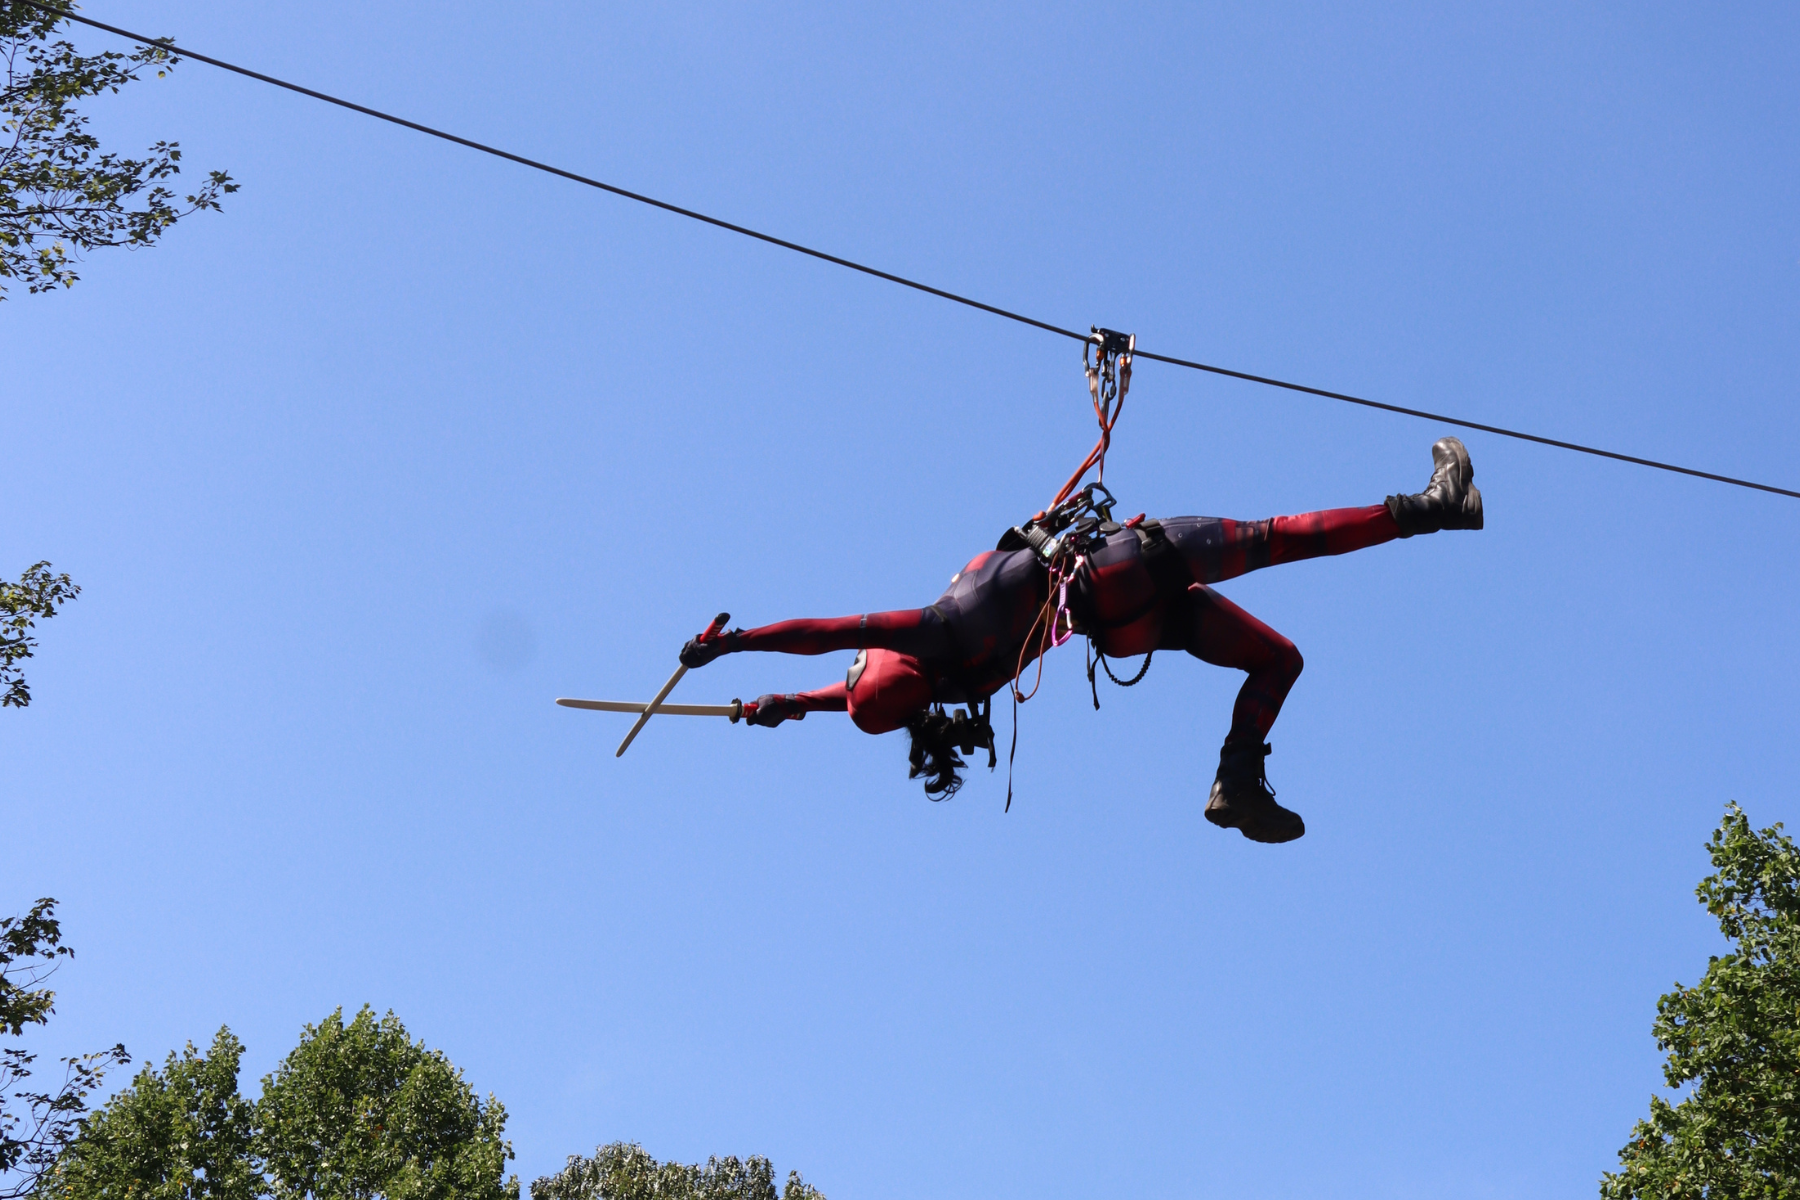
(34, 1133)
(37, 594)
(360, 1111)
(1735, 1037)
(182, 1133)
(623, 1171)
(355, 1112)
(60, 195)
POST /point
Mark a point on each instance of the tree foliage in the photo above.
(1735, 1037)
(182, 1133)
(356, 1111)
(60, 194)
(360, 1110)
(29, 948)
(623, 1171)
(37, 594)
(34, 1133)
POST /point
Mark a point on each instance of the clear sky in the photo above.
(360, 474)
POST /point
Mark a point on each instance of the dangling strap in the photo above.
(1014, 752)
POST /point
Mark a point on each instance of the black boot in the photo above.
(1242, 799)
(1449, 501)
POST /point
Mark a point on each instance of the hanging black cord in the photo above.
(891, 278)
(1135, 679)
(1012, 754)
(1094, 656)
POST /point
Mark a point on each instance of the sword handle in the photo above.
(712, 631)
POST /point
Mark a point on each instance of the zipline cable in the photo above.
(1511, 433)
(180, 52)
(533, 163)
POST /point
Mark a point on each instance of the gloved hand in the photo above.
(697, 653)
(773, 710)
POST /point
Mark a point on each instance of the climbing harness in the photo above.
(1063, 534)
(1062, 539)
(1069, 527)
(1075, 523)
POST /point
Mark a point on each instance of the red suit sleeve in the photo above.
(773, 709)
(834, 698)
(920, 632)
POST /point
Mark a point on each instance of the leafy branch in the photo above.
(37, 594)
(60, 194)
(1733, 1040)
(32, 1138)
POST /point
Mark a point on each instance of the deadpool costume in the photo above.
(1144, 586)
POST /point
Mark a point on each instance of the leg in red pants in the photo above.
(1215, 630)
(1216, 548)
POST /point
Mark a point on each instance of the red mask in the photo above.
(886, 690)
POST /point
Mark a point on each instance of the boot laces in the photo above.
(1262, 769)
(1260, 774)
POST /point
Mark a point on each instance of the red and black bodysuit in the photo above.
(1145, 588)
(1132, 590)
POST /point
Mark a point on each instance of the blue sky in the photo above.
(361, 473)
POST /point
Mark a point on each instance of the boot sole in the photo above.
(1268, 834)
(1272, 838)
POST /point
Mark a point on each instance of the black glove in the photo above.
(773, 710)
(697, 653)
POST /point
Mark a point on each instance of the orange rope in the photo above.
(1096, 455)
(1043, 647)
(1046, 642)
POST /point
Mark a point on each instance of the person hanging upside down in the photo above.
(1140, 587)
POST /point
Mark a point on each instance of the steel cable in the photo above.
(180, 52)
